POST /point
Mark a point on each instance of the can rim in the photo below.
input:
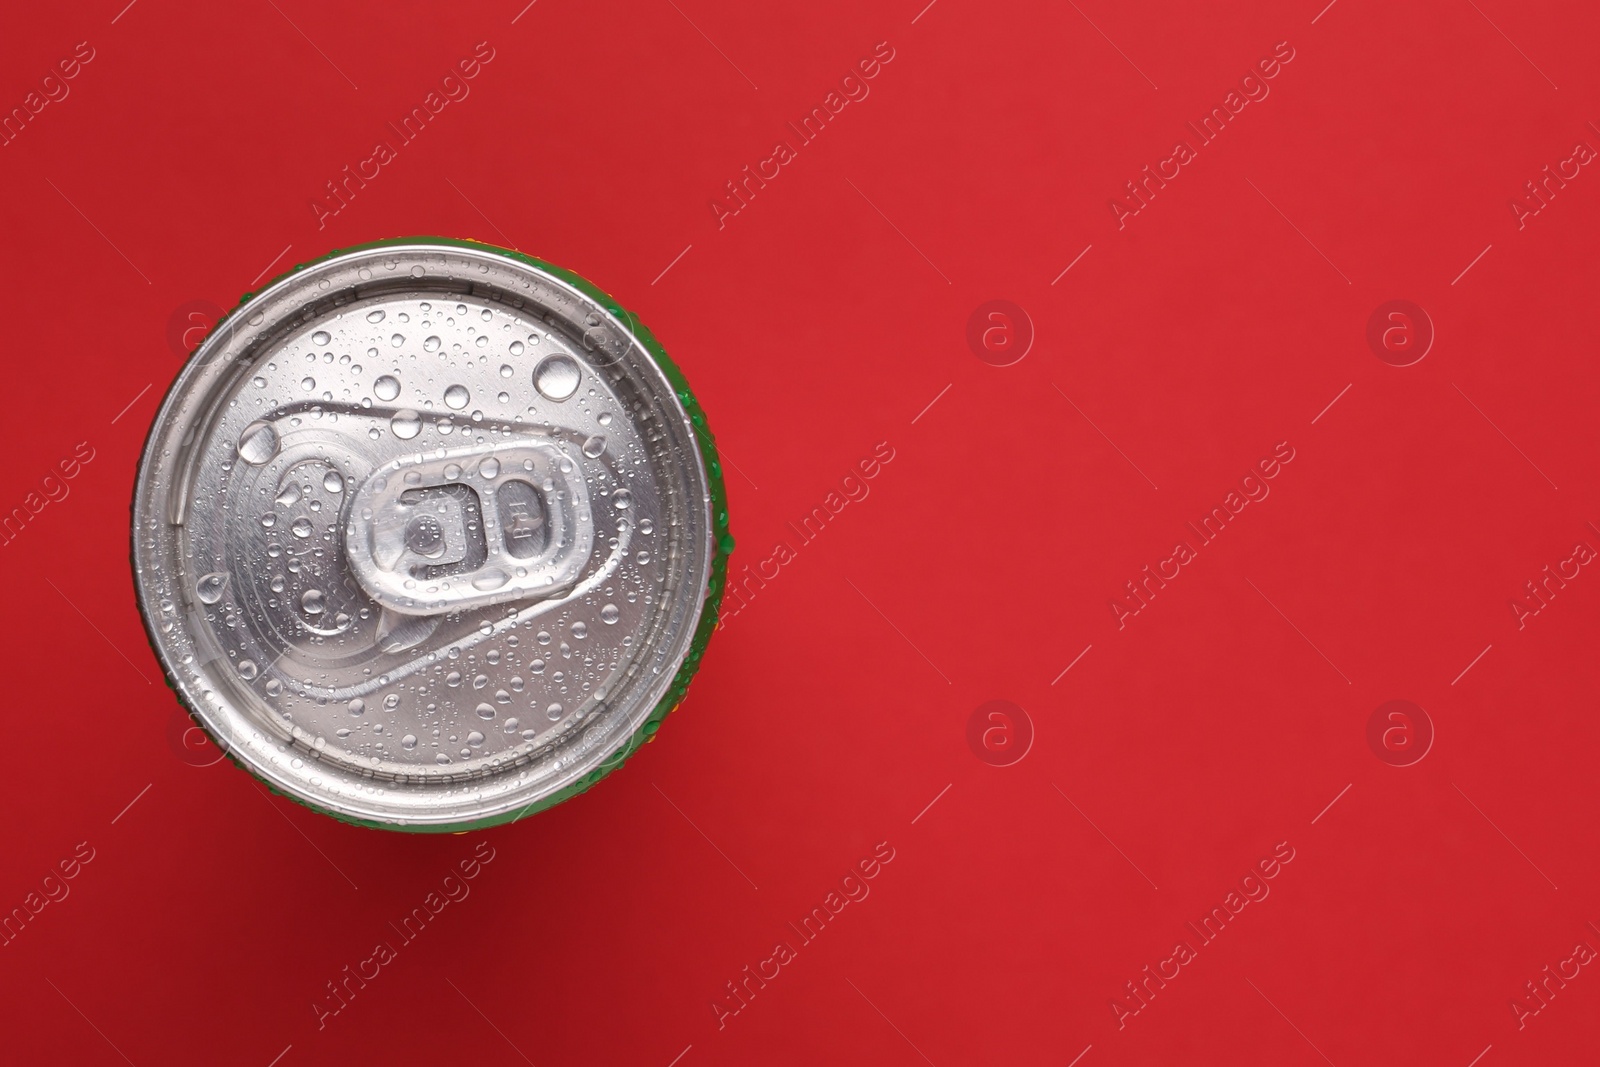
(722, 542)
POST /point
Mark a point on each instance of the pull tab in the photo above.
(469, 528)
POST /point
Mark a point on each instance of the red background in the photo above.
(821, 320)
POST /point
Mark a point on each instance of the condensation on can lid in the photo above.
(423, 534)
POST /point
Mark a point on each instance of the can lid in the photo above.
(426, 536)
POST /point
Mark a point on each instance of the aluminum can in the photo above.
(429, 535)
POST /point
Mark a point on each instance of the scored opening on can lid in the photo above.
(424, 534)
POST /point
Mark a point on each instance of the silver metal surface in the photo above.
(422, 534)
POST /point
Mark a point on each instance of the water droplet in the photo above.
(269, 520)
(485, 711)
(409, 741)
(301, 527)
(375, 316)
(431, 344)
(312, 602)
(276, 584)
(248, 669)
(386, 388)
(320, 338)
(258, 443)
(452, 471)
(475, 739)
(392, 701)
(356, 706)
(610, 614)
(506, 371)
(259, 382)
(594, 447)
(580, 630)
(646, 526)
(605, 418)
(553, 712)
(289, 495)
(512, 724)
(537, 666)
(457, 396)
(333, 482)
(274, 687)
(308, 383)
(557, 377)
(453, 679)
(397, 340)
(479, 681)
(516, 348)
(439, 757)
(622, 499)
(641, 558)
(209, 588)
(489, 468)
(406, 424)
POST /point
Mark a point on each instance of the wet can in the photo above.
(429, 535)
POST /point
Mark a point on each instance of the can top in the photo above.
(423, 534)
